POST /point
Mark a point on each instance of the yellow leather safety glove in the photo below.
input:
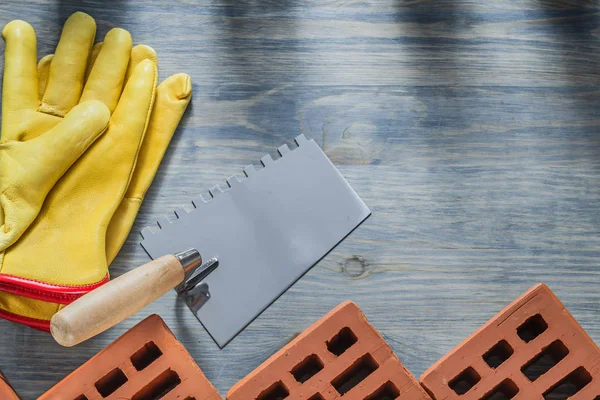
(41, 137)
(88, 214)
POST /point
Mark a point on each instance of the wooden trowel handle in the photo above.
(116, 300)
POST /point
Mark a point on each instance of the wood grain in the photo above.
(470, 127)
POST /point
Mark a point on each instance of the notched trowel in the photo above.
(246, 246)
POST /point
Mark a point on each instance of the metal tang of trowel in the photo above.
(242, 248)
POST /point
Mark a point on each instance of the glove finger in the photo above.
(133, 111)
(172, 97)
(140, 53)
(123, 218)
(107, 77)
(93, 56)
(43, 70)
(20, 89)
(67, 70)
(55, 151)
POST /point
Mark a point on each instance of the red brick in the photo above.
(134, 366)
(312, 346)
(6, 392)
(556, 331)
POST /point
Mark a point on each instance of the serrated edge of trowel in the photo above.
(163, 223)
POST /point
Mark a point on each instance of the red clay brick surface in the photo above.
(340, 356)
(6, 393)
(147, 362)
(532, 350)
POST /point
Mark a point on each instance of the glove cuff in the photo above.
(61, 294)
(39, 324)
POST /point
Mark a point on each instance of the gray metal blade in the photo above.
(266, 231)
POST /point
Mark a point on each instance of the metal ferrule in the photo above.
(190, 259)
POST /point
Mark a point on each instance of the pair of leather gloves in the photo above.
(83, 133)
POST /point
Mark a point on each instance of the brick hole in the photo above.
(316, 396)
(159, 386)
(387, 391)
(145, 356)
(464, 381)
(190, 398)
(81, 397)
(569, 385)
(498, 354)
(110, 382)
(308, 368)
(341, 342)
(532, 328)
(506, 390)
(276, 391)
(355, 374)
(545, 361)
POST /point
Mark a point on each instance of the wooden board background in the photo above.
(469, 127)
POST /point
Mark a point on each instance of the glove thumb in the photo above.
(29, 169)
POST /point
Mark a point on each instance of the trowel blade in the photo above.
(266, 231)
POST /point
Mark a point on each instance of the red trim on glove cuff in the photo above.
(38, 324)
(61, 294)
